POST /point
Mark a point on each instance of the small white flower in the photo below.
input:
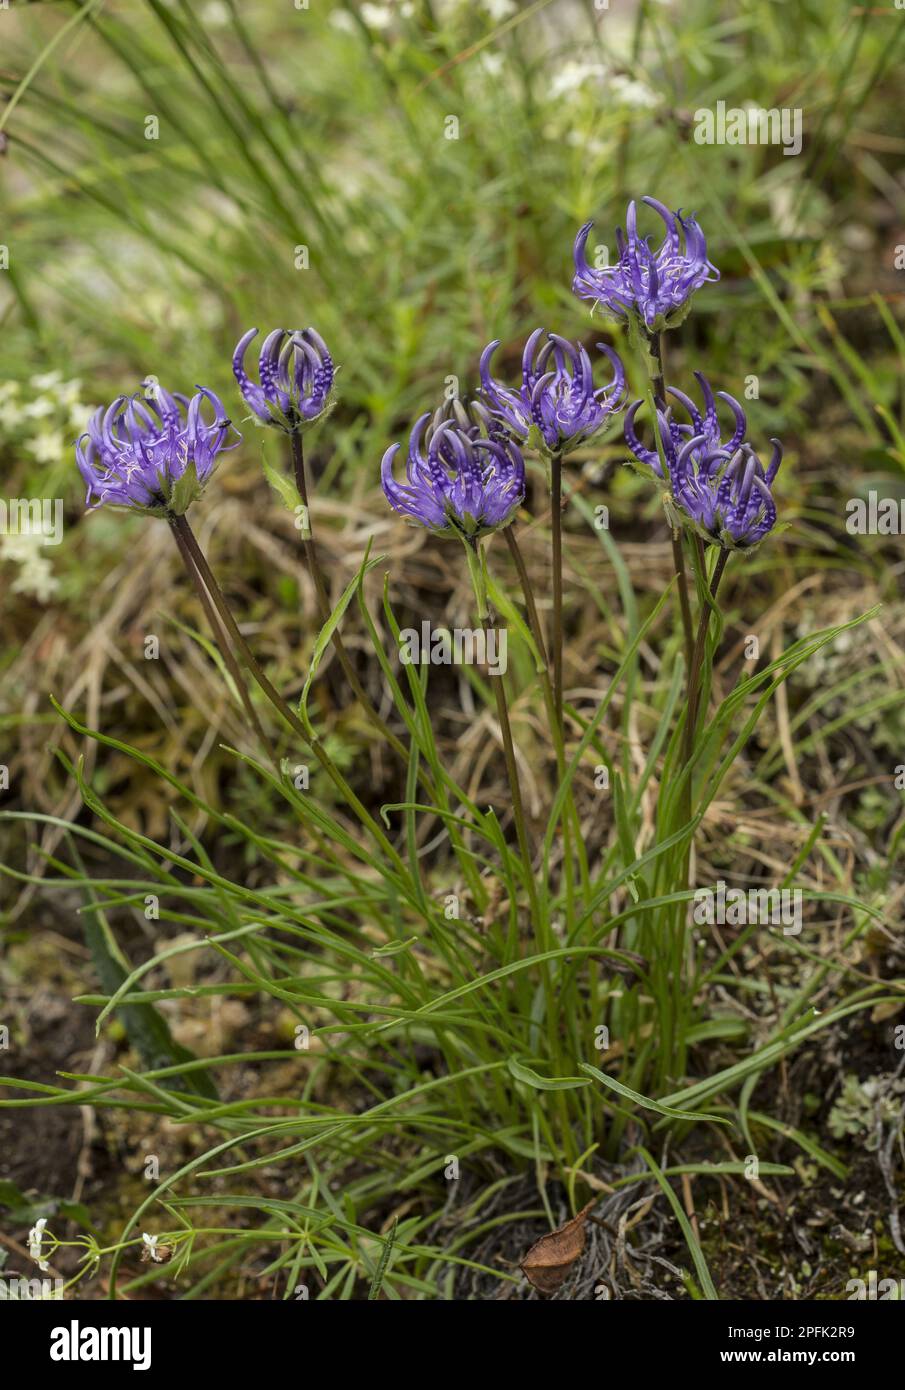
(35, 1236)
(47, 447)
(573, 75)
(377, 16)
(493, 63)
(11, 413)
(36, 578)
(499, 10)
(46, 381)
(70, 392)
(39, 409)
(630, 92)
(342, 20)
(150, 1251)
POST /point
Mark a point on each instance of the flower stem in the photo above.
(220, 638)
(678, 560)
(538, 635)
(656, 352)
(571, 824)
(528, 592)
(543, 936)
(181, 525)
(678, 554)
(476, 571)
(673, 1055)
(697, 660)
(556, 503)
(323, 602)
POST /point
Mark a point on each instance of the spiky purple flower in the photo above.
(732, 504)
(152, 452)
(720, 488)
(705, 429)
(653, 287)
(557, 397)
(463, 477)
(295, 377)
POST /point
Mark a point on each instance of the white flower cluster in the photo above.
(381, 17)
(619, 90)
(35, 1238)
(40, 418)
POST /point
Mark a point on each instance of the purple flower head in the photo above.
(295, 378)
(733, 504)
(557, 402)
(720, 489)
(463, 476)
(653, 287)
(153, 452)
(705, 429)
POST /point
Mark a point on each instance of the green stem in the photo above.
(678, 553)
(656, 376)
(556, 519)
(479, 584)
(556, 732)
(181, 524)
(674, 1003)
(323, 603)
(571, 824)
(543, 935)
(678, 560)
(221, 639)
(528, 592)
(697, 659)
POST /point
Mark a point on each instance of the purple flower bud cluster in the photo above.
(295, 377)
(464, 471)
(461, 478)
(153, 452)
(720, 487)
(557, 397)
(655, 287)
(471, 479)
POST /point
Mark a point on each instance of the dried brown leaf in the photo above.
(547, 1263)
